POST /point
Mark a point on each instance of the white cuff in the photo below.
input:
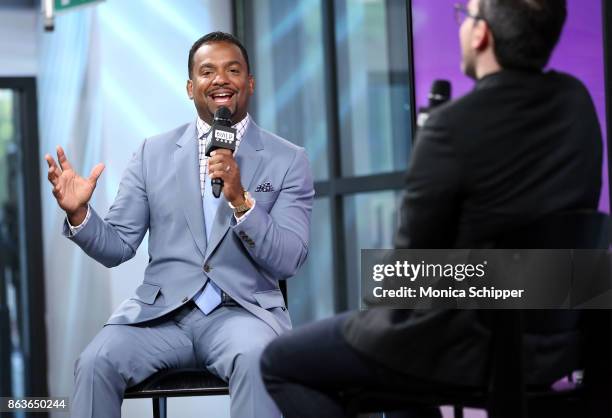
(75, 229)
(246, 214)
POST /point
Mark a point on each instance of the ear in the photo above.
(251, 84)
(190, 89)
(481, 35)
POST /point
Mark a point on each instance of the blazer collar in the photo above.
(505, 77)
(187, 175)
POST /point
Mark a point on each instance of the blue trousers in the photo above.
(228, 342)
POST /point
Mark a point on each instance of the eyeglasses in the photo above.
(462, 12)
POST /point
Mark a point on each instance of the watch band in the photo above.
(246, 205)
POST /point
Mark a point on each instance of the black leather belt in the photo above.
(226, 300)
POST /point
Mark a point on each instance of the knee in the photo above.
(94, 361)
(248, 359)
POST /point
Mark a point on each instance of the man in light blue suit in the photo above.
(210, 296)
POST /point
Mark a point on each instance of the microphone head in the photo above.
(223, 116)
(440, 93)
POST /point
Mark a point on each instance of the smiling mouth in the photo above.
(221, 98)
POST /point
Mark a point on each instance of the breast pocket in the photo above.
(265, 196)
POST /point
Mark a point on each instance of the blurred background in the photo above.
(342, 78)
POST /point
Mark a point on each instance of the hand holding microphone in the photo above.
(222, 167)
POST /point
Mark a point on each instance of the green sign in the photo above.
(61, 5)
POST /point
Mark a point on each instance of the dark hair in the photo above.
(525, 31)
(216, 37)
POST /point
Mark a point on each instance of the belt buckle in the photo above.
(226, 299)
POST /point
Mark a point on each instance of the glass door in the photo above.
(11, 366)
(22, 330)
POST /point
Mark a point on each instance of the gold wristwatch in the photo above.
(246, 205)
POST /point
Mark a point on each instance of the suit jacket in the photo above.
(160, 193)
(518, 147)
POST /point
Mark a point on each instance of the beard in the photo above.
(468, 67)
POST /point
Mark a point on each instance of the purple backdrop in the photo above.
(580, 53)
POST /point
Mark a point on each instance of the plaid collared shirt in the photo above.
(203, 140)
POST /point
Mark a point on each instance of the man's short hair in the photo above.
(217, 37)
(525, 31)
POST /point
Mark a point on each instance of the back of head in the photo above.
(525, 31)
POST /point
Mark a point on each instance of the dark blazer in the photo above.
(518, 147)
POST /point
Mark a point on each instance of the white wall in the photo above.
(18, 46)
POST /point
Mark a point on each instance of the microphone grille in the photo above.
(223, 114)
(441, 88)
(440, 93)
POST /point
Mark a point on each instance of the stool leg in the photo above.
(160, 407)
(458, 411)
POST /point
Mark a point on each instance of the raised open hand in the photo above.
(71, 191)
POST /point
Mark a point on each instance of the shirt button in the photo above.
(207, 268)
(185, 299)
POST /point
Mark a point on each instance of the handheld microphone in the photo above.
(439, 94)
(222, 135)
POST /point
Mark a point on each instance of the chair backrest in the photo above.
(579, 229)
(565, 230)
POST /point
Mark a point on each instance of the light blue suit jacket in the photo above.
(160, 192)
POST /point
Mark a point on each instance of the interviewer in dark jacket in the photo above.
(523, 144)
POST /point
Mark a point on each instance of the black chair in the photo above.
(506, 394)
(180, 383)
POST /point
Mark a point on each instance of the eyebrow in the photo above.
(227, 64)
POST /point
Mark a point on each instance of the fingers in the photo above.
(222, 151)
(56, 192)
(54, 171)
(222, 166)
(220, 174)
(63, 161)
(50, 161)
(223, 157)
(96, 172)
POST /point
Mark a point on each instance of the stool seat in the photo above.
(179, 382)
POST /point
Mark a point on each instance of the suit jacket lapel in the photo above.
(248, 159)
(188, 184)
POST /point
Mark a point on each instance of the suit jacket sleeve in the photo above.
(278, 241)
(429, 211)
(116, 238)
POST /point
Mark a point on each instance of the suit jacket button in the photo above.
(207, 268)
(185, 299)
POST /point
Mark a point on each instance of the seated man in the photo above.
(210, 296)
(523, 144)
